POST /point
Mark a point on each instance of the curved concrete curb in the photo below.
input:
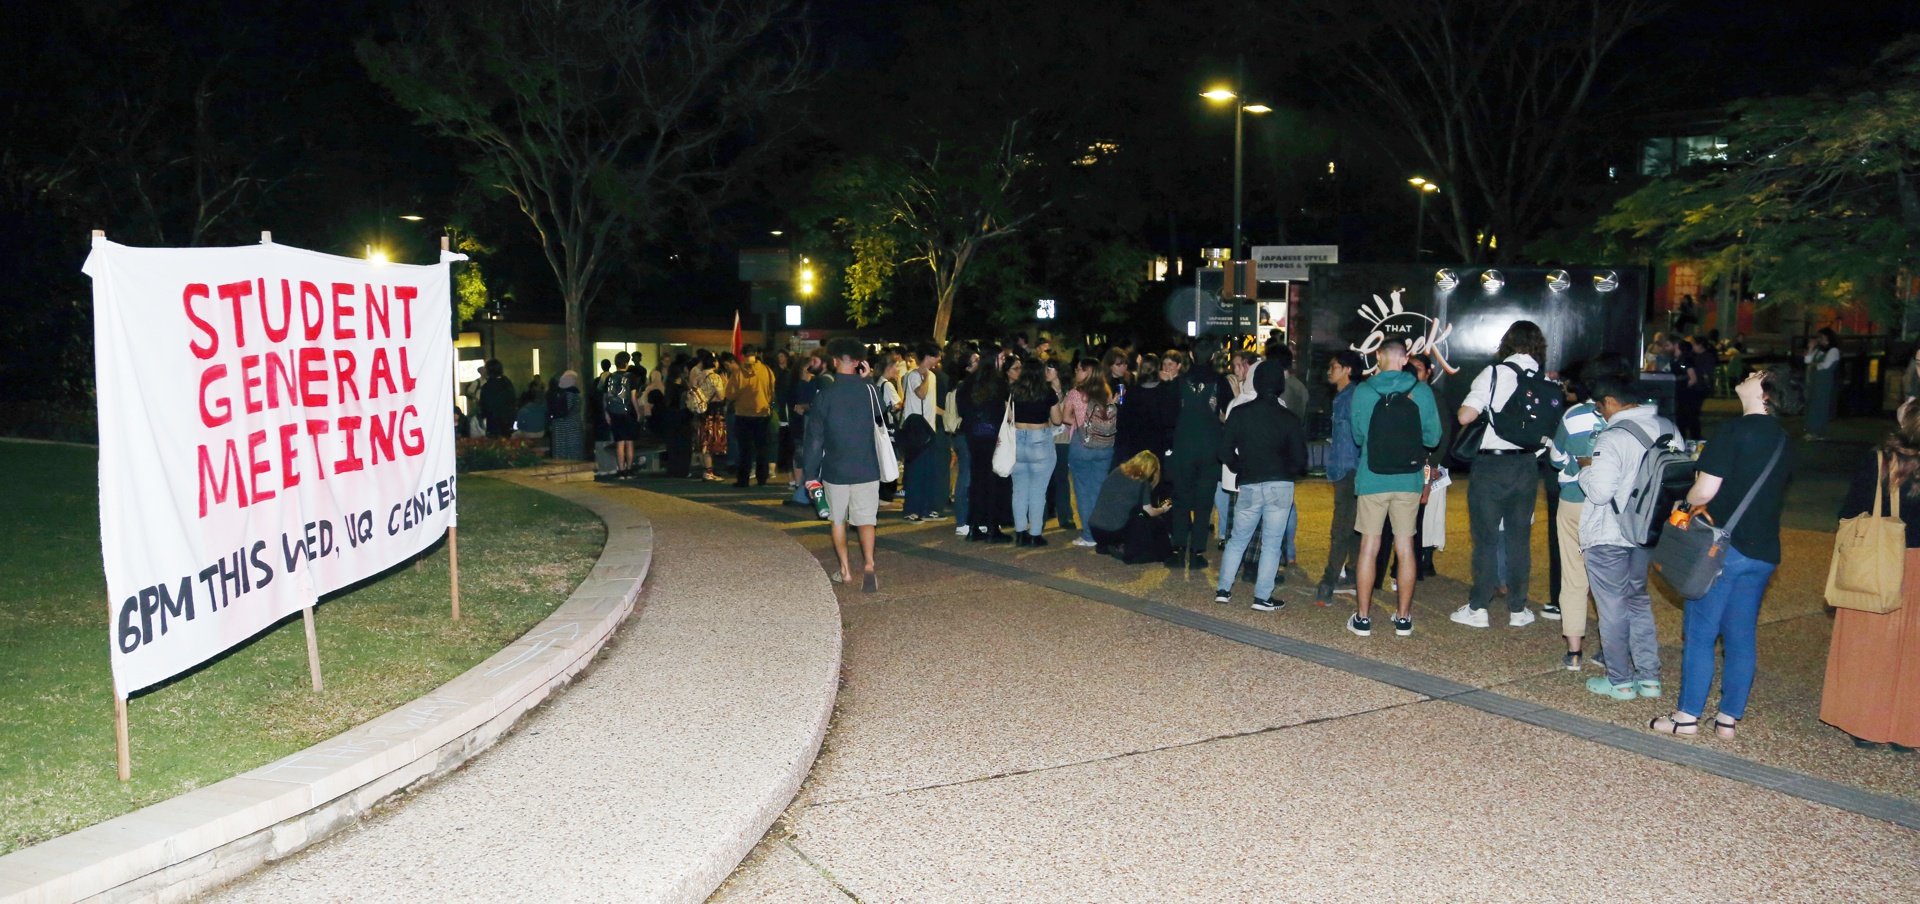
(184, 846)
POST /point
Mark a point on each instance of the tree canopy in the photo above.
(1816, 201)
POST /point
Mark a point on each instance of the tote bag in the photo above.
(1003, 445)
(882, 442)
(1692, 550)
(1869, 552)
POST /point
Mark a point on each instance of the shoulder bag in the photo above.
(1003, 445)
(1692, 550)
(1869, 555)
(882, 442)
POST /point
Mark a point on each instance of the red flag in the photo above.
(736, 333)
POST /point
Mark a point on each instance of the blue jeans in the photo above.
(1223, 508)
(963, 481)
(1729, 613)
(1033, 460)
(1262, 507)
(1089, 468)
(1293, 528)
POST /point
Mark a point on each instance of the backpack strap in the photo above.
(1755, 489)
(1640, 433)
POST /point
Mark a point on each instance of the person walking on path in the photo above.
(753, 418)
(1091, 417)
(1195, 468)
(1395, 422)
(617, 409)
(1265, 446)
(920, 388)
(1823, 360)
(1035, 392)
(1572, 450)
(1731, 471)
(1873, 663)
(1505, 482)
(1616, 567)
(1343, 458)
(840, 451)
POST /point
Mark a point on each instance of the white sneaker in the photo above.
(1520, 619)
(960, 530)
(1469, 616)
(1082, 541)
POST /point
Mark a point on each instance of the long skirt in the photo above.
(1873, 669)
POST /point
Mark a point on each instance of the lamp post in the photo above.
(1425, 188)
(1240, 108)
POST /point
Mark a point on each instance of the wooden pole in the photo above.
(453, 533)
(122, 747)
(453, 564)
(313, 650)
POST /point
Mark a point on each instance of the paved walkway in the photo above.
(1050, 725)
(648, 778)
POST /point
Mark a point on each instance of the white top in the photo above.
(1489, 393)
(1825, 358)
(927, 407)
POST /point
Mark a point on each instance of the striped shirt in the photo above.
(1579, 427)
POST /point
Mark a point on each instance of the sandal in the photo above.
(838, 577)
(1724, 725)
(1673, 725)
(870, 582)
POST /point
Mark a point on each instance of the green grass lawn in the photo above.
(382, 644)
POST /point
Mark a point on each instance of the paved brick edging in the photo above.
(182, 847)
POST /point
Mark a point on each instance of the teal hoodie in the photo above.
(1367, 395)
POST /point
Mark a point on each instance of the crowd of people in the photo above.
(1156, 442)
(1147, 455)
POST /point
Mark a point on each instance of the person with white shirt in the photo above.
(1505, 483)
(1823, 357)
(924, 493)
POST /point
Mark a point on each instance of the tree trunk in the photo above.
(943, 314)
(581, 354)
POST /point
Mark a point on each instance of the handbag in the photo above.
(1692, 549)
(1003, 444)
(883, 443)
(1869, 553)
(913, 437)
(1466, 442)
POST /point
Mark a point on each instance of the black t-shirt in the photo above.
(1035, 411)
(1736, 454)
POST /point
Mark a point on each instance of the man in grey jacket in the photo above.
(1616, 568)
(841, 453)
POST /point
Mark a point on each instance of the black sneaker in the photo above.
(1360, 626)
(1550, 611)
(1223, 597)
(1402, 626)
(1274, 605)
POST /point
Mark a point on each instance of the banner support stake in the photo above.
(122, 747)
(313, 650)
(453, 533)
(453, 563)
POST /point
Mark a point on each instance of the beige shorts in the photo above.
(857, 504)
(1373, 510)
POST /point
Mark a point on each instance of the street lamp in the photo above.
(1420, 219)
(1240, 108)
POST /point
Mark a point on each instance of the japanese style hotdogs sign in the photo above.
(274, 424)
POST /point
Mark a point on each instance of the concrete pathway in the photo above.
(652, 776)
(1000, 739)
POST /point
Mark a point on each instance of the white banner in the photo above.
(1279, 262)
(275, 424)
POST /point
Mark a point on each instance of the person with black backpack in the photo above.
(1395, 422)
(616, 406)
(1514, 410)
(1617, 563)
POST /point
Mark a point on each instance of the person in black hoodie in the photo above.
(1266, 446)
(1150, 408)
(1193, 467)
